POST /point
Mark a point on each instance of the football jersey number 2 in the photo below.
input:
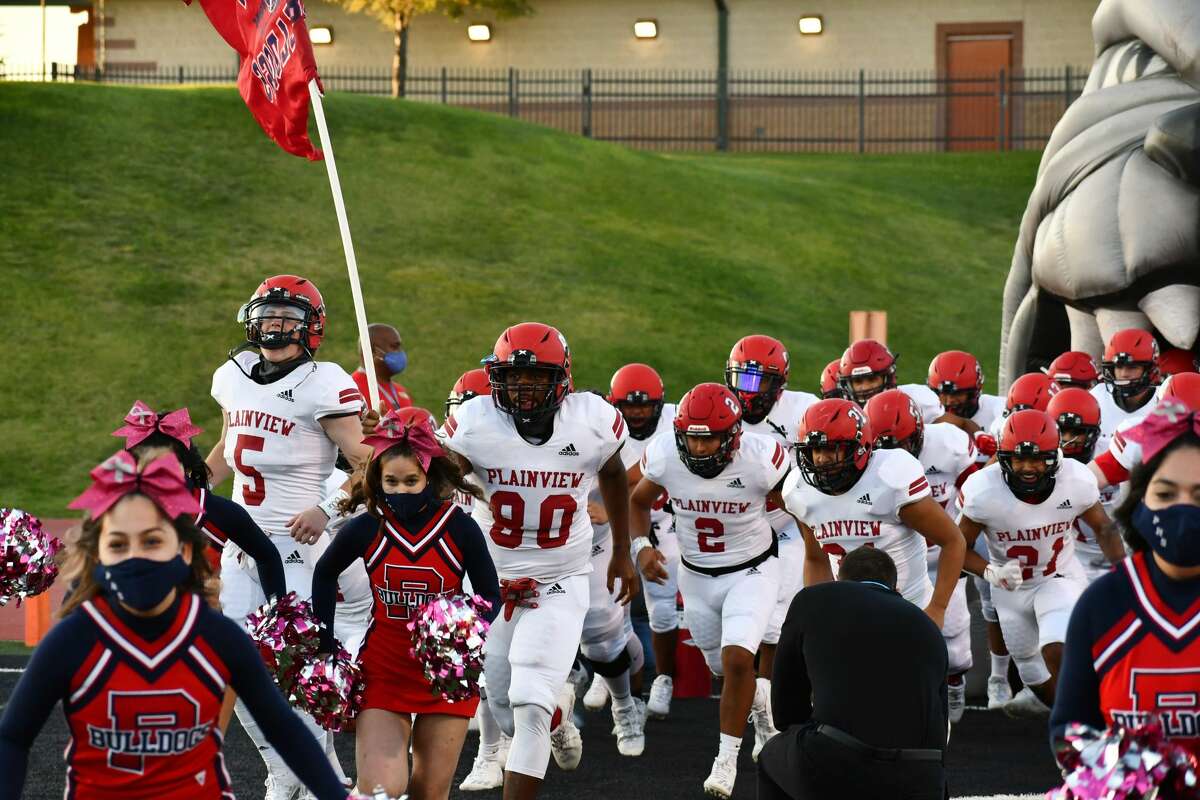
(254, 492)
(508, 515)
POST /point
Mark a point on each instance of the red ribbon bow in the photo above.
(1166, 423)
(141, 421)
(162, 481)
(393, 430)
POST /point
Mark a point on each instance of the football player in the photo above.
(1074, 368)
(868, 368)
(285, 416)
(536, 450)
(637, 392)
(957, 377)
(1026, 505)
(757, 373)
(1130, 372)
(718, 479)
(1113, 466)
(948, 456)
(829, 380)
(1173, 361)
(472, 383)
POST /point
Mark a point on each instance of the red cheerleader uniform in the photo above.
(409, 562)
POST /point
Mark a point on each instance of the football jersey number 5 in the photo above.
(254, 492)
(508, 515)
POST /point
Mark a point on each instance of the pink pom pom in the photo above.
(330, 690)
(27, 553)
(1120, 763)
(287, 637)
(448, 635)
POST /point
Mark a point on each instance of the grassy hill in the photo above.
(134, 223)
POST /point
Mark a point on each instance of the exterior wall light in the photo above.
(646, 29)
(811, 26)
(479, 32)
(322, 34)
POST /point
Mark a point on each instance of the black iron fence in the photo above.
(864, 111)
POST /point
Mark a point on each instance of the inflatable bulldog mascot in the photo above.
(1111, 236)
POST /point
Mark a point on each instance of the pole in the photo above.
(335, 186)
(43, 4)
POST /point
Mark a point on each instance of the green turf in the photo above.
(134, 223)
(8, 648)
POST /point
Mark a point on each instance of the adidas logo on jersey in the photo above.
(569, 450)
(294, 558)
(931, 470)
(286, 394)
(556, 589)
(1065, 504)
(865, 500)
(597, 549)
(753, 571)
(736, 483)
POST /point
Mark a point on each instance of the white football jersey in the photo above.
(868, 515)
(1111, 414)
(926, 399)
(991, 408)
(720, 521)
(631, 453)
(1041, 536)
(535, 517)
(947, 452)
(279, 453)
(782, 425)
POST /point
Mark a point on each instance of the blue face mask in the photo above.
(405, 505)
(396, 361)
(1172, 532)
(141, 583)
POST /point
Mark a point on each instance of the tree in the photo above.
(397, 15)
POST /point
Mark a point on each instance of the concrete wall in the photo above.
(570, 34)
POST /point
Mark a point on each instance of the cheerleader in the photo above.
(141, 660)
(416, 545)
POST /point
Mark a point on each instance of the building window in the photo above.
(646, 29)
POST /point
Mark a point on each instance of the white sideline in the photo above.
(12, 669)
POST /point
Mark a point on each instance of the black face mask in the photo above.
(405, 504)
(141, 583)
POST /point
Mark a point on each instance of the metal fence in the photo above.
(864, 111)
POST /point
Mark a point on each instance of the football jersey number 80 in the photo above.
(508, 514)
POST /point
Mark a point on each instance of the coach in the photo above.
(859, 693)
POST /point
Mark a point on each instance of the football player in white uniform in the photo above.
(957, 378)
(537, 449)
(718, 478)
(830, 387)
(848, 495)
(637, 392)
(1074, 368)
(1026, 505)
(868, 368)
(947, 455)
(1130, 371)
(284, 418)
(1112, 467)
(757, 374)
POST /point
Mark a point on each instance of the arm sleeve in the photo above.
(278, 721)
(791, 690)
(350, 544)
(339, 395)
(905, 477)
(1111, 468)
(42, 685)
(477, 561)
(1078, 695)
(611, 428)
(235, 524)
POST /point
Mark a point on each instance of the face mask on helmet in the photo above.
(641, 415)
(272, 325)
(964, 403)
(710, 464)
(913, 443)
(861, 388)
(756, 390)
(830, 467)
(529, 393)
(1022, 481)
(1077, 441)
(1125, 389)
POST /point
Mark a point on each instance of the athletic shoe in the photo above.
(565, 742)
(1026, 704)
(630, 725)
(486, 773)
(719, 782)
(596, 696)
(282, 789)
(760, 715)
(957, 697)
(660, 697)
(999, 692)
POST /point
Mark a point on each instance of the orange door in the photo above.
(973, 66)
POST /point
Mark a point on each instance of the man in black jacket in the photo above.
(859, 693)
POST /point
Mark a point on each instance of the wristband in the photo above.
(329, 504)
(640, 544)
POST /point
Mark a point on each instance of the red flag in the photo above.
(277, 63)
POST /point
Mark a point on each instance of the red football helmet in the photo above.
(1029, 433)
(1074, 368)
(838, 424)
(1077, 415)
(1173, 361)
(286, 298)
(757, 372)
(957, 372)
(415, 415)
(829, 380)
(1031, 390)
(471, 383)
(864, 359)
(896, 422)
(1183, 388)
(1131, 347)
(709, 409)
(540, 353)
(638, 385)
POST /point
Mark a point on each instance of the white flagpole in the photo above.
(360, 312)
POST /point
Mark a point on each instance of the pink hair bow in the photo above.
(162, 481)
(1166, 423)
(141, 421)
(393, 430)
